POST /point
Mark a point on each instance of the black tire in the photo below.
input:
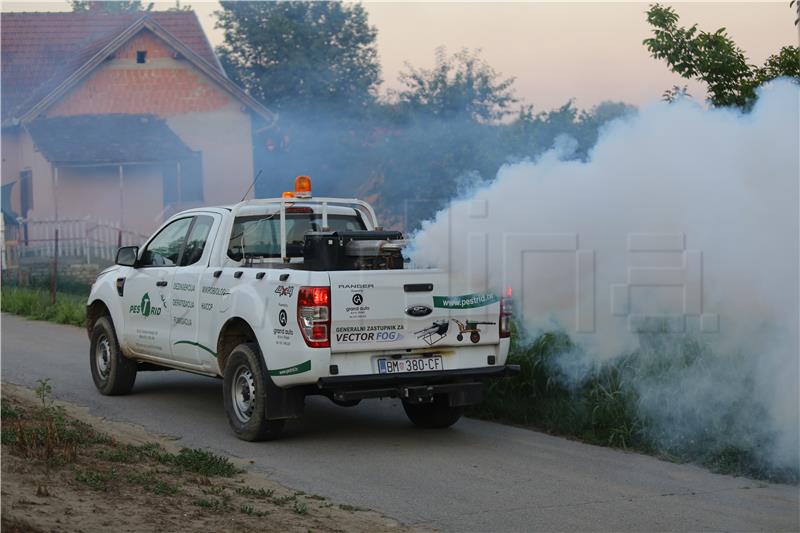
(435, 415)
(459, 337)
(245, 395)
(113, 373)
(475, 337)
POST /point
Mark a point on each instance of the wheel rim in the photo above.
(103, 357)
(243, 394)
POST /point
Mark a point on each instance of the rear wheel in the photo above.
(459, 337)
(437, 414)
(112, 373)
(245, 395)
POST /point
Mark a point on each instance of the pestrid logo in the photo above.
(145, 307)
(418, 310)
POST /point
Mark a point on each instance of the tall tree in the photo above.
(713, 58)
(459, 85)
(300, 54)
(110, 6)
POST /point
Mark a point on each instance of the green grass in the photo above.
(36, 304)
(94, 479)
(604, 405)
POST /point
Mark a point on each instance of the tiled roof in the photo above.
(40, 50)
(112, 138)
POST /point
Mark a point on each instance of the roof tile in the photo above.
(39, 50)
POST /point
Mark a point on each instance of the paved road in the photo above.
(477, 476)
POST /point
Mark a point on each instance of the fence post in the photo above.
(55, 270)
(86, 250)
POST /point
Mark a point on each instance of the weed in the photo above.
(215, 490)
(151, 482)
(213, 504)
(94, 479)
(43, 392)
(248, 510)
(186, 460)
(350, 508)
(123, 453)
(254, 493)
(300, 508)
(283, 500)
(8, 411)
(204, 462)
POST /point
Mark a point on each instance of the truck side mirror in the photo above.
(127, 255)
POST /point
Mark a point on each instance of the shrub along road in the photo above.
(477, 476)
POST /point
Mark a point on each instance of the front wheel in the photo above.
(112, 373)
(245, 395)
(437, 414)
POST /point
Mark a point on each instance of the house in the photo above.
(121, 117)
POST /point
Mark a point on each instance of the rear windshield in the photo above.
(260, 235)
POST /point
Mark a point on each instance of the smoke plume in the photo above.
(677, 239)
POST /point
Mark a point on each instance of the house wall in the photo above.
(18, 154)
(204, 116)
(95, 191)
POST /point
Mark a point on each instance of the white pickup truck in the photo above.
(289, 297)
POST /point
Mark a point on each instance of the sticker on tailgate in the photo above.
(369, 333)
(467, 301)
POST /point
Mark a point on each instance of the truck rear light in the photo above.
(314, 315)
(506, 311)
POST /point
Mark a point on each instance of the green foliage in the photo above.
(620, 402)
(300, 508)
(301, 54)
(94, 479)
(111, 6)
(46, 434)
(254, 493)
(35, 304)
(43, 392)
(460, 85)
(203, 462)
(713, 58)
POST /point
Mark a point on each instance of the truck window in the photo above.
(196, 242)
(259, 236)
(165, 248)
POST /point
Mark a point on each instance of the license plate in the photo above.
(416, 364)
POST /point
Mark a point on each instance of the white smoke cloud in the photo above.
(680, 212)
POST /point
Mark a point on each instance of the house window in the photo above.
(141, 56)
(183, 181)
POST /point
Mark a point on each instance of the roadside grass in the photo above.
(35, 304)
(604, 405)
(59, 453)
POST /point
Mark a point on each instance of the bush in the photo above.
(36, 304)
(633, 401)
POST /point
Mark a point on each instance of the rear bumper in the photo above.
(463, 387)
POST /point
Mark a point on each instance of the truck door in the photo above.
(147, 291)
(185, 304)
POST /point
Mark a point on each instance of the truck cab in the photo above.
(288, 297)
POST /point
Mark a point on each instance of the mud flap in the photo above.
(284, 403)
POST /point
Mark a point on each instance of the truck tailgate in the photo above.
(400, 309)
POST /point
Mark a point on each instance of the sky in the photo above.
(590, 51)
